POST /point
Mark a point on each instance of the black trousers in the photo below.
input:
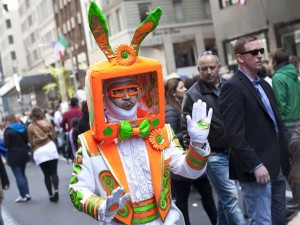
(204, 188)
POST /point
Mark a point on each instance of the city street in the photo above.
(40, 211)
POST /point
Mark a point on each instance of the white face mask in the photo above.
(114, 113)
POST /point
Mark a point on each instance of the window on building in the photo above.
(68, 25)
(5, 7)
(120, 21)
(15, 69)
(13, 55)
(184, 54)
(109, 24)
(8, 24)
(27, 4)
(32, 37)
(78, 18)
(35, 55)
(64, 28)
(72, 22)
(226, 3)
(144, 10)
(10, 39)
(206, 10)
(178, 11)
(29, 20)
(21, 10)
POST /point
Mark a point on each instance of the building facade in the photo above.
(185, 29)
(69, 22)
(276, 23)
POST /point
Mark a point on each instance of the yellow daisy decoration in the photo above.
(159, 139)
(125, 55)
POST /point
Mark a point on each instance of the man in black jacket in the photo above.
(207, 89)
(255, 134)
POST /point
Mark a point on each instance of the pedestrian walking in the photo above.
(16, 142)
(258, 154)
(208, 88)
(41, 134)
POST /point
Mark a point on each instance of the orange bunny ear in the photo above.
(145, 28)
(99, 28)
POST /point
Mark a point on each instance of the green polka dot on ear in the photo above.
(107, 131)
(155, 122)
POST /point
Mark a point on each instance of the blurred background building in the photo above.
(31, 31)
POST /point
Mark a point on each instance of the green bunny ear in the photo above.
(99, 28)
(145, 28)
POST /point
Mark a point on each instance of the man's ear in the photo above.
(198, 68)
(239, 58)
(274, 63)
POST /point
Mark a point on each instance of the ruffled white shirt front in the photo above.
(135, 160)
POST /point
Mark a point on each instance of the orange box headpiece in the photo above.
(146, 72)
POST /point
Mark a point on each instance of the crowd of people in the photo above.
(40, 137)
(254, 137)
(256, 122)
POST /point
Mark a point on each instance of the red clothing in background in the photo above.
(68, 116)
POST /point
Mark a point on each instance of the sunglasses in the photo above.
(255, 52)
(119, 92)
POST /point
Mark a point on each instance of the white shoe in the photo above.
(28, 196)
(21, 199)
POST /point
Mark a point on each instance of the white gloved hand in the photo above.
(114, 202)
(198, 125)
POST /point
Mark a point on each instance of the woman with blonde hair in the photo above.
(41, 134)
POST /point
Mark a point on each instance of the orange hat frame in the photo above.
(124, 62)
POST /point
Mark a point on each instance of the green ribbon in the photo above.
(126, 130)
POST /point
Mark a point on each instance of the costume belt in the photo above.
(145, 211)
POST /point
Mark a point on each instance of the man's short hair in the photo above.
(74, 102)
(280, 55)
(239, 46)
(208, 52)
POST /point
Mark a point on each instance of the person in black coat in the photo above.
(174, 93)
(255, 134)
(16, 142)
(83, 123)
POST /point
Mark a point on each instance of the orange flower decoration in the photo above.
(159, 139)
(125, 55)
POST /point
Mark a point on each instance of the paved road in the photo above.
(40, 211)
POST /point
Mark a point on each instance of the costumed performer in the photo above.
(121, 172)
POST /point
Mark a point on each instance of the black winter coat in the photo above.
(17, 147)
(173, 118)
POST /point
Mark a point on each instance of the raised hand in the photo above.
(198, 125)
(114, 202)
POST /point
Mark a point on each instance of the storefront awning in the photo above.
(27, 84)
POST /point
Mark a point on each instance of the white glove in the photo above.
(198, 126)
(113, 203)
